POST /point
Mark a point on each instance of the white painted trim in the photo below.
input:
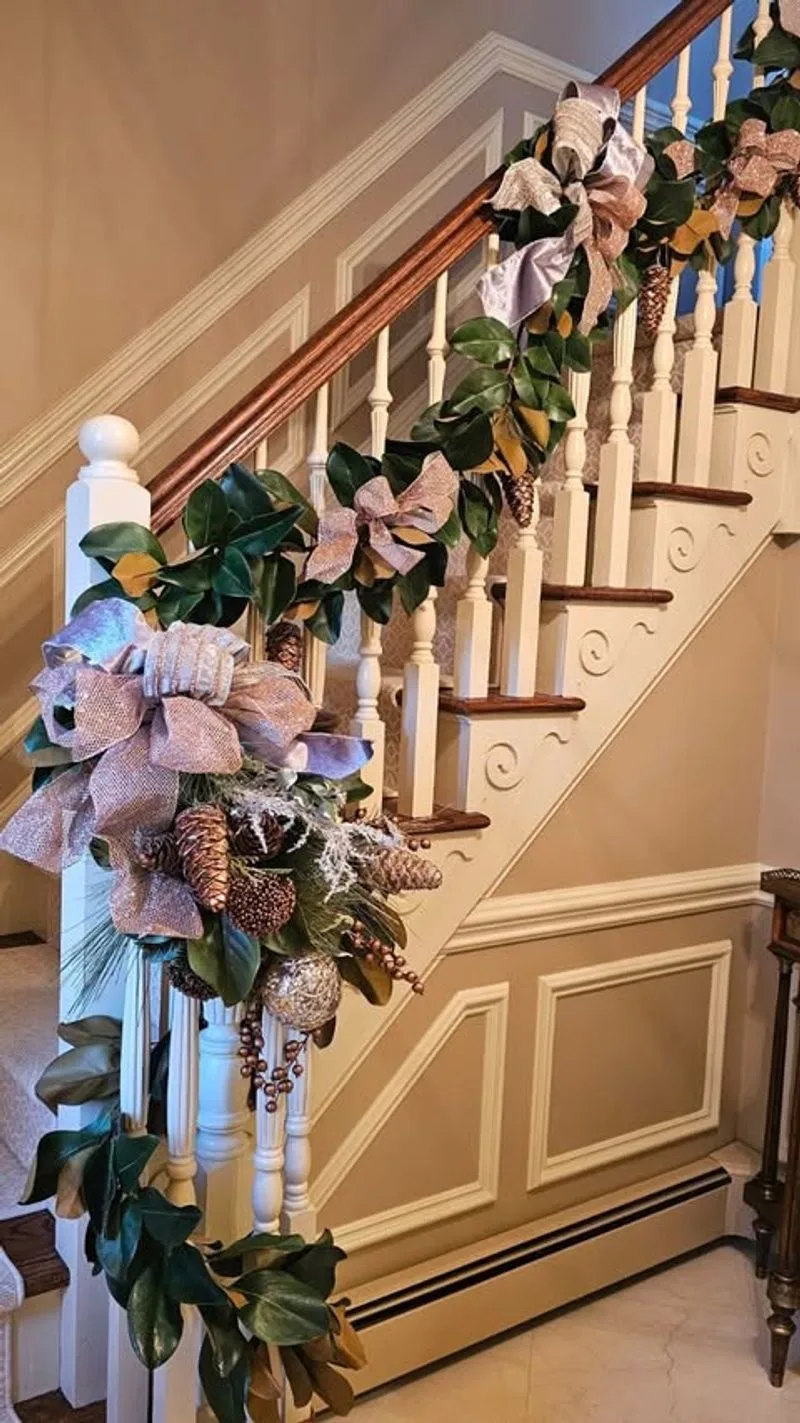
(489, 1002)
(549, 913)
(543, 1169)
(53, 434)
(47, 534)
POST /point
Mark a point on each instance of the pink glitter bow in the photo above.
(755, 166)
(423, 507)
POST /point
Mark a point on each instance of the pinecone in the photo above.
(201, 834)
(285, 645)
(396, 870)
(261, 902)
(653, 297)
(156, 850)
(256, 835)
(520, 492)
(187, 982)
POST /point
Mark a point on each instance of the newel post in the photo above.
(107, 490)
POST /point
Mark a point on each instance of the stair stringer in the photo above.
(518, 769)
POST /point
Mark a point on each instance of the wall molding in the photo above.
(135, 364)
(544, 1169)
(489, 1002)
(549, 913)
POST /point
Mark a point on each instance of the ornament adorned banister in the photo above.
(265, 408)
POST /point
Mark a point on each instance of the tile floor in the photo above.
(685, 1345)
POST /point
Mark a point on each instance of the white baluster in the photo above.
(367, 722)
(571, 512)
(315, 653)
(722, 68)
(660, 403)
(473, 641)
(222, 1137)
(793, 371)
(261, 455)
(107, 490)
(127, 1379)
(777, 298)
(521, 613)
(175, 1385)
(269, 1153)
(298, 1215)
(421, 674)
(615, 477)
(737, 351)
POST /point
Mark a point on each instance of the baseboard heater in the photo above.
(443, 1312)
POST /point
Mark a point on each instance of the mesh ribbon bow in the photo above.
(600, 169)
(422, 508)
(134, 708)
(754, 167)
(789, 14)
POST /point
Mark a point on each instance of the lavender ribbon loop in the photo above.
(600, 169)
(145, 706)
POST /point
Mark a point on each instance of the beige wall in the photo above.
(780, 811)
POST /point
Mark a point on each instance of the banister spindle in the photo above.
(367, 721)
(298, 1216)
(417, 768)
(660, 403)
(774, 337)
(473, 640)
(700, 368)
(222, 1138)
(315, 652)
(737, 351)
(571, 511)
(269, 1150)
(615, 476)
(175, 1388)
(261, 455)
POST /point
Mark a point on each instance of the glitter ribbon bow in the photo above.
(754, 167)
(418, 511)
(600, 169)
(789, 15)
(132, 709)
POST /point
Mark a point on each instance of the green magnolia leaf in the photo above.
(763, 223)
(52, 1151)
(529, 384)
(280, 1309)
(264, 534)
(402, 462)
(628, 281)
(530, 224)
(246, 495)
(562, 295)
(175, 606)
(283, 491)
(467, 442)
(225, 957)
(155, 1322)
(193, 575)
(225, 1393)
(130, 1156)
(232, 574)
(89, 1073)
(778, 50)
(450, 532)
(325, 623)
(96, 593)
(578, 352)
(485, 340)
(424, 428)
(347, 471)
(110, 541)
(414, 587)
(101, 1190)
(745, 45)
(478, 517)
(167, 1224)
(316, 1265)
(205, 517)
(539, 360)
(377, 600)
(372, 981)
(786, 113)
(187, 1279)
(558, 403)
(669, 203)
(226, 1338)
(115, 1253)
(483, 390)
(232, 1260)
(96, 1028)
(41, 750)
(276, 587)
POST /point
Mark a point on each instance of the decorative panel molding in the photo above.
(549, 913)
(543, 1168)
(490, 1003)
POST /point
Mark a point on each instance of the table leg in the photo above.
(767, 1183)
(784, 1282)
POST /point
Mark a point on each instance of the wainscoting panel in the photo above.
(663, 1045)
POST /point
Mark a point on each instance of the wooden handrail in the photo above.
(286, 389)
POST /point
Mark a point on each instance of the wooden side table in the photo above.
(775, 1201)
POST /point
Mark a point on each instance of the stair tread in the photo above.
(575, 593)
(20, 939)
(691, 493)
(54, 1408)
(495, 703)
(30, 1244)
(443, 820)
(769, 399)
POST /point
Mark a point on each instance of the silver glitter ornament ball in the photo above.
(303, 992)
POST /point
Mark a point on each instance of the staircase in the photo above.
(492, 717)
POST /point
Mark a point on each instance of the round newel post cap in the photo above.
(109, 440)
